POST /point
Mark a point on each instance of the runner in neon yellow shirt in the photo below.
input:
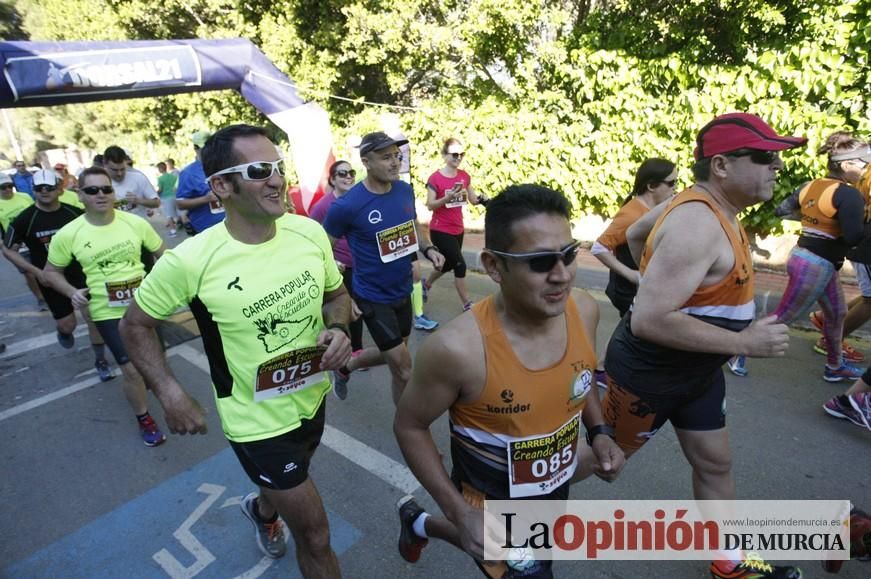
(108, 245)
(273, 314)
(11, 204)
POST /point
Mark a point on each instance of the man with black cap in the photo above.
(695, 309)
(378, 218)
(193, 194)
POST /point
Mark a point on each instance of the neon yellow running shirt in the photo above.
(11, 207)
(110, 256)
(258, 308)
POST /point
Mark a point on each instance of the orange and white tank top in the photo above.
(730, 298)
(527, 422)
(818, 211)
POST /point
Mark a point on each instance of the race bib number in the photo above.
(457, 203)
(216, 206)
(539, 464)
(397, 241)
(121, 292)
(289, 373)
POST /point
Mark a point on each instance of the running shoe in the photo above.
(845, 370)
(151, 434)
(753, 567)
(340, 384)
(103, 370)
(269, 536)
(601, 378)
(172, 233)
(65, 340)
(861, 403)
(422, 322)
(817, 320)
(410, 545)
(738, 365)
(850, 353)
(468, 305)
(842, 406)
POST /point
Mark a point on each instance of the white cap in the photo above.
(45, 177)
(4, 178)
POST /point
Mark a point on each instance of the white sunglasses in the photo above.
(254, 171)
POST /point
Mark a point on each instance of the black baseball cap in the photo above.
(377, 141)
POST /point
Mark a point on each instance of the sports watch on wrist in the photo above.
(605, 429)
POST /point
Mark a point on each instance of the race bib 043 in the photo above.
(539, 464)
(288, 373)
(397, 241)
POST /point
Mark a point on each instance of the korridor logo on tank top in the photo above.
(507, 397)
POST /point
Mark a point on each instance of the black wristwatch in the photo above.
(605, 429)
(338, 326)
(425, 249)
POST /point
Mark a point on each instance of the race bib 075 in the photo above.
(289, 373)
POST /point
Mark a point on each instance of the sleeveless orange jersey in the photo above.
(864, 187)
(527, 422)
(817, 208)
(730, 298)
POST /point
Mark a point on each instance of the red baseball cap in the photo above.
(734, 131)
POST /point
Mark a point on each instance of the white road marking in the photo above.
(37, 402)
(37, 342)
(361, 454)
(202, 556)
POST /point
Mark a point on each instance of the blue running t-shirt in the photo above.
(381, 234)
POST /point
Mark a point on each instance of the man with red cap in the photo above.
(694, 310)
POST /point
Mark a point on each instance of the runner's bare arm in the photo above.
(54, 277)
(692, 250)
(431, 202)
(157, 253)
(336, 311)
(607, 455)
(445, 367)
(637, 233)
(610, 261)
(427, 249)
(184, 415)
(11, 253)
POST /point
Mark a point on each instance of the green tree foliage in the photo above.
(570, 93)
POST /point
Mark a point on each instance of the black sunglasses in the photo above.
(349, 173)
(544, 261)
(42, 188)
(93, 190)
(756, 156)
(457, 156)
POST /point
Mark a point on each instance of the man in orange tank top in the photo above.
(694, 309)
(512, 372)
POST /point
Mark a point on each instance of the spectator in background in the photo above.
(68, 181)
(194, 195)
(23, 179)
(166, 190)
(133, 190)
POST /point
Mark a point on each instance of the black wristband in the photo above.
(425, 249)
(605, 429)
(338, 326)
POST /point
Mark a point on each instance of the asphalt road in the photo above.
(82, 497)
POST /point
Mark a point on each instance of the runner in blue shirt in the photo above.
(378, 219)
(194, 195)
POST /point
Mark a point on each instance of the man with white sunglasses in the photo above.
(273, 314)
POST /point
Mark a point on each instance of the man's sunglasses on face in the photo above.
(543, 261)
(255, 171)
(756, 156)
(43, 188)
(93, 190)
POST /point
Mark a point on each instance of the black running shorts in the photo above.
(388, 324)
(282, 462)
(109, 331)
(636, 417)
